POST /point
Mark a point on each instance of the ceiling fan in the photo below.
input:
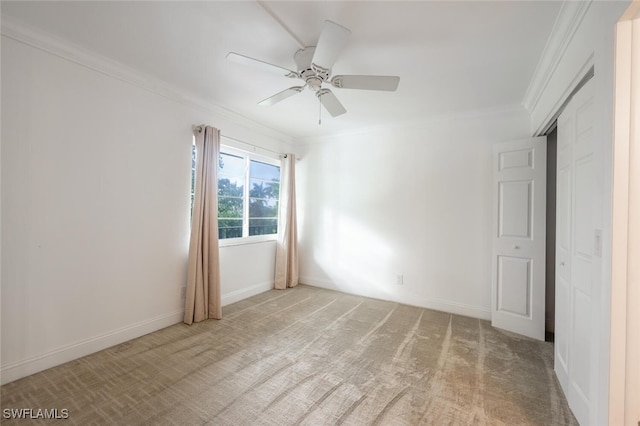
(314, 65)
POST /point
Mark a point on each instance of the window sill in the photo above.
(246, 240)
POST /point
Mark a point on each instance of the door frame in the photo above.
(624, 368)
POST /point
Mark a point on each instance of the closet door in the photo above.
(575, 242)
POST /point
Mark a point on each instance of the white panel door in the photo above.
(518, 282)
(576, 240)
(564, 187)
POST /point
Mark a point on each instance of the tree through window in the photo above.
(248, 193)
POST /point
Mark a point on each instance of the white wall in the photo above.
(246, 270)
(413, 200)
(95, 204)
(592, 44)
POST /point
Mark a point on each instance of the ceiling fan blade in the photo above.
(366, 82)
(330, 102)
(281, 96)
(245, 60)
(331, 42)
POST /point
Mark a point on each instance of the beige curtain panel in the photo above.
(203, 273)
(287, 245)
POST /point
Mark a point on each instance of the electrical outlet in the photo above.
(399, 279)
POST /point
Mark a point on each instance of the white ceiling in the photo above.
(451, 56)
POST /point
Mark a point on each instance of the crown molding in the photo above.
(51, 44)
(567, 22)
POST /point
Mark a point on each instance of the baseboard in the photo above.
(23, 368)
(435, 304)
(317, 282)
(243, 293)
(457, 308)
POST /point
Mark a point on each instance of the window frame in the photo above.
(226, 148)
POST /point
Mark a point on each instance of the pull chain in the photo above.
(319, 111)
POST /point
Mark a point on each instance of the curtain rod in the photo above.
(199, 130)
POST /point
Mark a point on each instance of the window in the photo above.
(231, 196)
(264, 196)
(248, 194)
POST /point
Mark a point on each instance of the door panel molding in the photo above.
(519, 234)
(575, 349)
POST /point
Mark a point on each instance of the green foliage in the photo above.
(263, 208)
(229, 200)
(263, 198)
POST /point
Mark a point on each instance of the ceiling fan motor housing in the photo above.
(313, 75)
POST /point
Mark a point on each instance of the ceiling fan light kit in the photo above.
(314, 65)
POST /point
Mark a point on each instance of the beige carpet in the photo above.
(307, 356)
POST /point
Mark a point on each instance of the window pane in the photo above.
(229, 228)
(230, 165)
(260, 208)
(262, 189)
(264, 171)
(230, 207)
(232, 187)
(263, 226)
(231, 171)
